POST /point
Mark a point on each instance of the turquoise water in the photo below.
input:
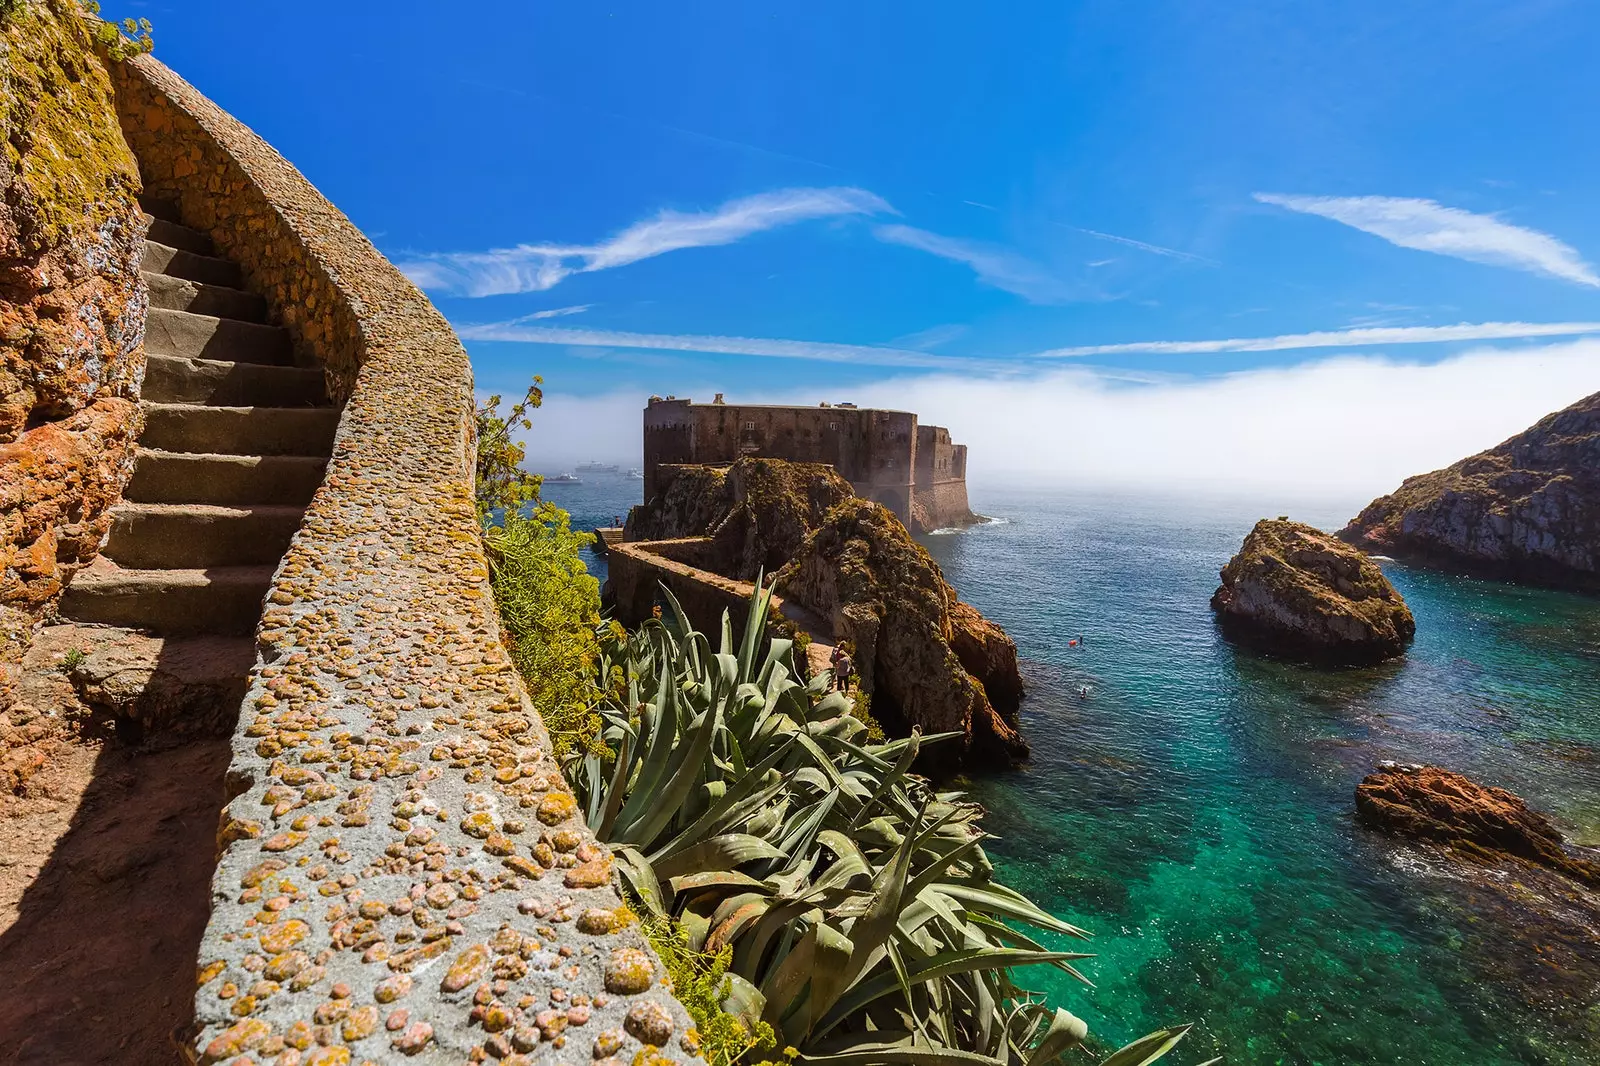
(1196, 811)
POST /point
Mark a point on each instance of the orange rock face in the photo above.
(1478, 821)
(72, 311)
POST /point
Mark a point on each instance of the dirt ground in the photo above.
(106, 853)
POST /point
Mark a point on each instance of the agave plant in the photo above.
(861, 913)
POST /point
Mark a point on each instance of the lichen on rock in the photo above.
(1295, 590)
(72, 308)
(1527, 509)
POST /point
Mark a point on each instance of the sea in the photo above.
(1195, 810)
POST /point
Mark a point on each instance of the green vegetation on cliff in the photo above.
(549, 605)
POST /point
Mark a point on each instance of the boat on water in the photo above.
(564, 479)
(597, 468)
(637, 475)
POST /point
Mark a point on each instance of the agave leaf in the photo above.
(726, 852)
(1066, 1031)
(672, 795)
(871, 1049)
(714, 879)
(640, 878)
(944, 964)
(1147, 1048)
(658, 721)
(744, 1000)
(1002, 901)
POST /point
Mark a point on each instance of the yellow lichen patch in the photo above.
(283, 936)
(478, 825)
(468, 967)
(237, 1039)
(209, 972)
(556, 808)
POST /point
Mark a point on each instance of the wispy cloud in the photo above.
(554, 312)
(994, 266)
(818, 351)
(1429, 226)
(537, 267)
(1366, 337)
(1143, 246)
(524, 331)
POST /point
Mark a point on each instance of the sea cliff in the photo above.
(1527, 509)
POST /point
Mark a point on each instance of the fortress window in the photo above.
(833, 425)
(749, 425)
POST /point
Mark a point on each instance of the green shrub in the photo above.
(549, 610)
(124, 40)
(701, 983)
(549, 605)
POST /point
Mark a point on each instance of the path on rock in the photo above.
(107, 845)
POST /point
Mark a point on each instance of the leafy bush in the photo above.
(549, 605)
(855, 901)
(549, 610)
(502, 484)
(124, 40)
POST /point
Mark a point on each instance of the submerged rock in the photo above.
(1474, 821)
(1527, 509)
(926, 658)
(1297, 590)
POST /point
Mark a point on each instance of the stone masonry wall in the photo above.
(72, 310)
(403, 874)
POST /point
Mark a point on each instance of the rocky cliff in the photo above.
(1527, 509)
(1296, 590)
(924, 657)
(72, 308)
(884, 594)
(758, 511)
(1474, 821)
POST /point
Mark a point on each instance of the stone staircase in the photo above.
(235, 442)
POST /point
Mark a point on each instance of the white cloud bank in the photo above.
(1343, 429)
(1429, 226)
(1363, 337)
(537, 267)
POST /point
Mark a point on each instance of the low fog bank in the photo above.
(1335, 432)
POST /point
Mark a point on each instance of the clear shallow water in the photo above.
(1196, 811)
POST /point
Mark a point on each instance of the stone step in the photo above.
(214, 382)
(225, 601)
(164, 259)
(191, 477)
(155, 207)
(178, 294)
(239, 430)
(176, 236)
(169, 332)
(177, 536)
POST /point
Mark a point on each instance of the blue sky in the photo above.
(897, 201)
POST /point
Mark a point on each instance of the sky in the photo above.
(1153, 244)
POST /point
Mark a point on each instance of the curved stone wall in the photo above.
(403, 874)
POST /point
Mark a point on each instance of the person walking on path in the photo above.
(841, 668)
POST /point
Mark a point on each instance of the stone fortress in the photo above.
(913, 470)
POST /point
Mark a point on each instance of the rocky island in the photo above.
(1526, 510)
(1295, 590)
(850, 571)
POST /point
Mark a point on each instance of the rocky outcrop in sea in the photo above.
(1472, 821)
(1297, 591)
(1525, 510)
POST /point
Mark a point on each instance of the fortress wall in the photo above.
(941, 505)
(395, 826)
